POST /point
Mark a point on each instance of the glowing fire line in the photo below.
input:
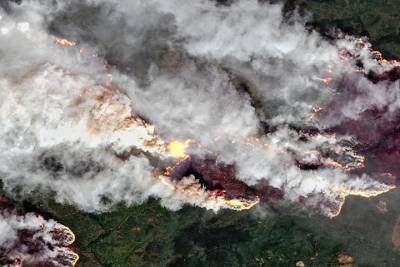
(345, 193)
(178, 149)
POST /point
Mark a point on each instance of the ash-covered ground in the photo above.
(196, 133)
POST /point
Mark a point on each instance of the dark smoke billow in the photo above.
(101, 99)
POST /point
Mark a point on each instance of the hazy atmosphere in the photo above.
(199, 133)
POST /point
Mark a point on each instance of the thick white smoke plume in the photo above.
(70, 109)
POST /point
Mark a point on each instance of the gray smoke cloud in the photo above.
(194, 70)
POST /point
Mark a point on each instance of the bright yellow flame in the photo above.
(241, 204)
(178, 148)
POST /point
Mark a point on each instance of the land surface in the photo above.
(278, 235)
(376, 19)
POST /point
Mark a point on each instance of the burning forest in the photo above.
(30, 240)
(192, 103)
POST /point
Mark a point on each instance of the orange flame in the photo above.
(63, 42)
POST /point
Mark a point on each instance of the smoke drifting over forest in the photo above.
(93, 94)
